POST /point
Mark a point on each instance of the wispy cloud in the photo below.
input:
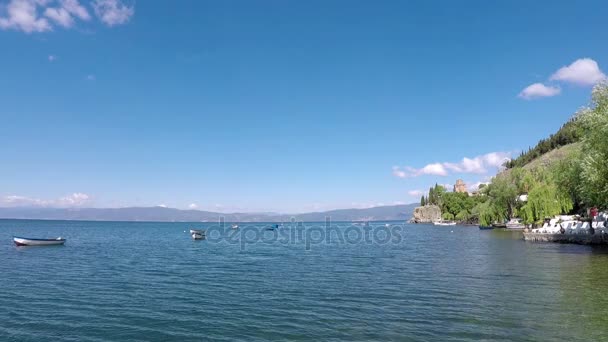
(90, 77)
(193, 206)
(113, 12)
(32, 16)
(584, 71)
(479, 165)
(76, 199)
(415, 193)
(52, 58)
(475, 186)
(538, 90)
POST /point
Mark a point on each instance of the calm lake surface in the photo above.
(117, 281)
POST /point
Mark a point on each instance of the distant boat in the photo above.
(273, 227)
(486, 227)
(235, 226)
(444, 223)
(198, 234)
(21, 241)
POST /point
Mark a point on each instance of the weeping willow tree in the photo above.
(501, 202)
(594, 163)
(489, 212)
(545, 197)
(463, 215)
(544, 200)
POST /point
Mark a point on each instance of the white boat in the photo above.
(444, 223)
(515, 223)
(235, 226)
(21, 241)
(198, 236)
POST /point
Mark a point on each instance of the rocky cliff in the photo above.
(428, 213)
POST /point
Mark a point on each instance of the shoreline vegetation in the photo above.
(566, 173)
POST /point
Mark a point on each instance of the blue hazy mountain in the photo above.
(162, 214)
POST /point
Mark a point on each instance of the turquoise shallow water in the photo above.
(117, 281)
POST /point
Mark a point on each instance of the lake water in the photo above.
(117, 281)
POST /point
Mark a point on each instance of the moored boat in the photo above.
(486, 227)
(21, 241)
(444, 223)
(515, 223)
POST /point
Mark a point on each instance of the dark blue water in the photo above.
(151, 282)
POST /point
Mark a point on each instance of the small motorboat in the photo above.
(21, 241)
(198, 236)
(235, 226)
(444, 223)
(273, 227)
(486, 227)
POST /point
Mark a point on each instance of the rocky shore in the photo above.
(426, 214)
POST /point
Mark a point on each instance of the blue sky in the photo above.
(284, 106)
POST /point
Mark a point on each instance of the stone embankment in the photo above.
(581, 239)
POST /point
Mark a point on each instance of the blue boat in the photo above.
(486, 227)
(273, 227)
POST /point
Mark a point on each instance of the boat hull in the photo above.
(19, 241)
(198, 236)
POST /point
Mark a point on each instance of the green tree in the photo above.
(422, 201)
(594, 162)
(544, 200)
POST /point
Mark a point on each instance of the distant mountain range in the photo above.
(162, 214)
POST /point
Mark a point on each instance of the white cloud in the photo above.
(76, 199)
(23, 15)
(91, 77)
(193, 206)
(74, 8)
(162, 205)
(65, 13)
(479, 165)
(584, 71)
(59, 16)
(447, 186)
(475, 186)
(538, 90)
(113, 12)
(415, 193)
(32, 16)
(52, 58)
